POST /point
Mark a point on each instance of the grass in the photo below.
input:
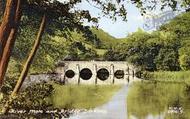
(82, 96)
(168, 76)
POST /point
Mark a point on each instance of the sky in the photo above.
(119, 28)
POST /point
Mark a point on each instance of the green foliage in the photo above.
(14, 68)
(184, 55)
(136, 49)
(34, 97)
(185, 62)
(104, 39)
(51, 50)
(167, 60)
(160, 5)
(78, 51)
(1, 9)
(8, 86)
(89, 54)
(112, 55)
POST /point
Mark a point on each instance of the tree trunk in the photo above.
(26, 66)
(9, 44)
(7, 23)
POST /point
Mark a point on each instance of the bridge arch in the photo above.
(69, 73)
(103, 74)
(119, 74)
(86, 74)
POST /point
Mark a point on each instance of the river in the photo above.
(145, 100)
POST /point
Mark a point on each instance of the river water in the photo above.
(153, 100)
(145, 100)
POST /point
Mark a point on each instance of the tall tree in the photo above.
(7, 23)
(10, 42)
(27, 64)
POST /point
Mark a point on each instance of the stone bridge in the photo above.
(95, 72)
(87, 72)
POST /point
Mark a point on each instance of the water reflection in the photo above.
(150, 100)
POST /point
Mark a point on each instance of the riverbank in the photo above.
(168, 76)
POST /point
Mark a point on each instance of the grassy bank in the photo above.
(181, 76)
(82, 96)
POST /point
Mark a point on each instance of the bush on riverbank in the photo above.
(34, 97)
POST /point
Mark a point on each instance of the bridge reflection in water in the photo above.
(95, 72)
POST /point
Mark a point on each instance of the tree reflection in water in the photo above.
(150, 100)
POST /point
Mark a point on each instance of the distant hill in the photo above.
(106, 40)
(100, 41)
